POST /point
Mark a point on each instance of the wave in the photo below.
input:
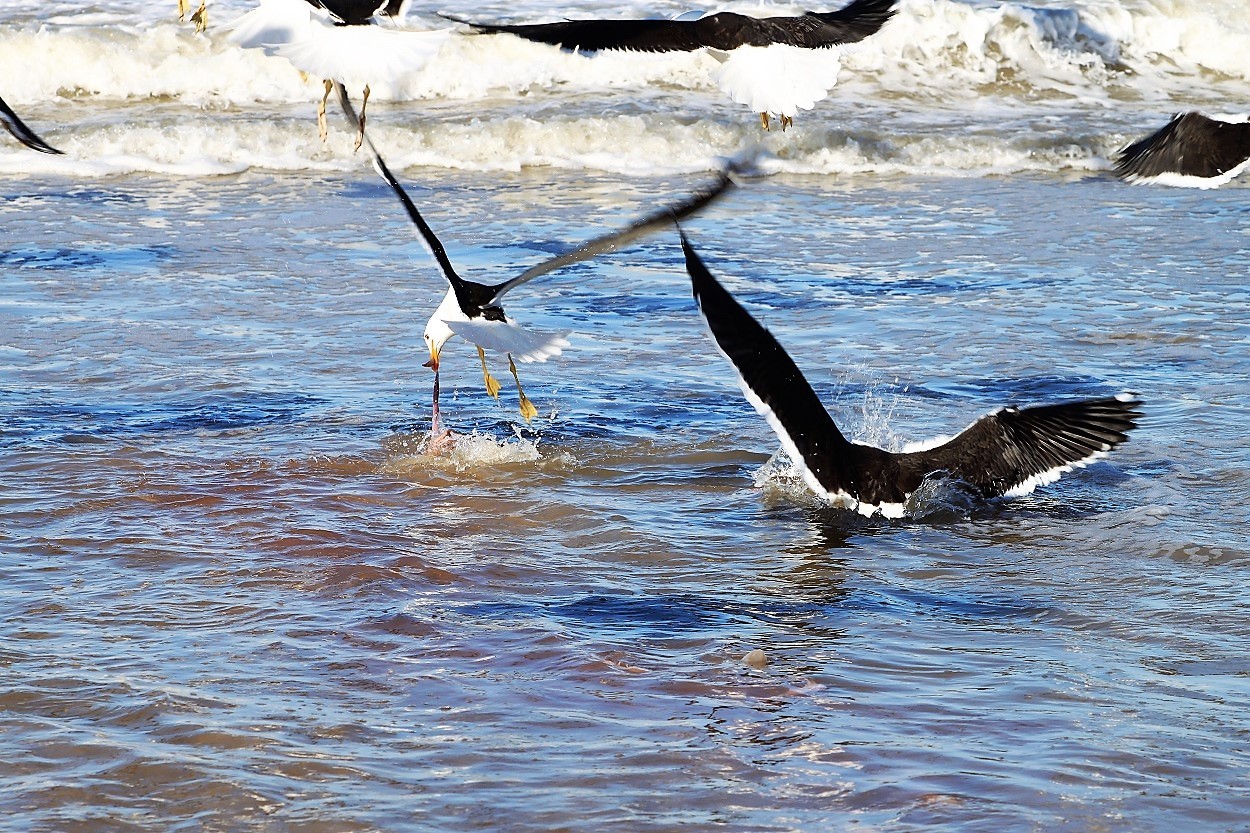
(947, 88)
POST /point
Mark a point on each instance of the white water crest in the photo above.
(946, 88)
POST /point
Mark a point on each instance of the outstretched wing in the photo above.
(615, 240)
(849, 24)
(1190, 145)
(1014, 450)
(597, 35)
(471, 296)
(507, 336)
(21, 132)
(776, 388)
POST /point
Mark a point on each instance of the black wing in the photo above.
(1015, 449)
(816, 30)
(773, 384)
(1191, 144)
(598, 35)
(474, 297)
(21, 132)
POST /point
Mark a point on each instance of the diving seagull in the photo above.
(774, 65)
(21, 132)
(339, 40)
(473, 310)
(1006, 453)
(1191, 151)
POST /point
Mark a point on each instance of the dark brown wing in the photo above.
(816, 30)
(1191, 144)
(598, 35)
(1014, 450)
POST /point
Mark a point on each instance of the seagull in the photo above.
(772, 64)
(338, 40)
(1006, 453)
(473, 310)
(1190, 151)
(21, 132)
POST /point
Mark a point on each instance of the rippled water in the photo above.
(239, 596)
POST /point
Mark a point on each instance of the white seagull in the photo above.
(1006, 453)
(348, 41)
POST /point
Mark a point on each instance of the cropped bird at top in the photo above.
(1006, 453)
(21, 132)
(348, 41)
(1191, 151)
(473, 310)
(774, 65)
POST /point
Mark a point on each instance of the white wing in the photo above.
(273, 23)
(509, 337)
(777, 79)
(363, 53)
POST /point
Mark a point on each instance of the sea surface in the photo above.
(239, 594)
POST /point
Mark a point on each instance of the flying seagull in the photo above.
(772, 64)
(21, 132)
(1190, 151)
(338, 40)
(473, 310)
(1006, 453)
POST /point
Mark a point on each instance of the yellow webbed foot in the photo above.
(200, 18)
(321, 111)
(786, 121)
(182, 9)
(764, 121)
(492, 384)
(527, 407)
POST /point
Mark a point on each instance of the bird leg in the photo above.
(764, 120)
(527, 407)
(182, 9)
(492, 384)
(364, 102)
(200, 18)
(321, 111)
(786, 121)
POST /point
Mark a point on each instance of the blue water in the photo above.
(239, 595)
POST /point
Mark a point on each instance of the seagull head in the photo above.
(437, 331)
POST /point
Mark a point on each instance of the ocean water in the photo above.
(240, 595)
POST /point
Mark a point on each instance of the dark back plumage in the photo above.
(1191, 144)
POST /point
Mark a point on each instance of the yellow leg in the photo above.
(786, 121)
(321, 110)
(527, 407)
(492, 384)
(360, 137)
(182, 9)
(200, 18)
(764, 120)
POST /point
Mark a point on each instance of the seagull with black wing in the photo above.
(774, 65)
(1191, 151)
(474, 312)
(1009, 452)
